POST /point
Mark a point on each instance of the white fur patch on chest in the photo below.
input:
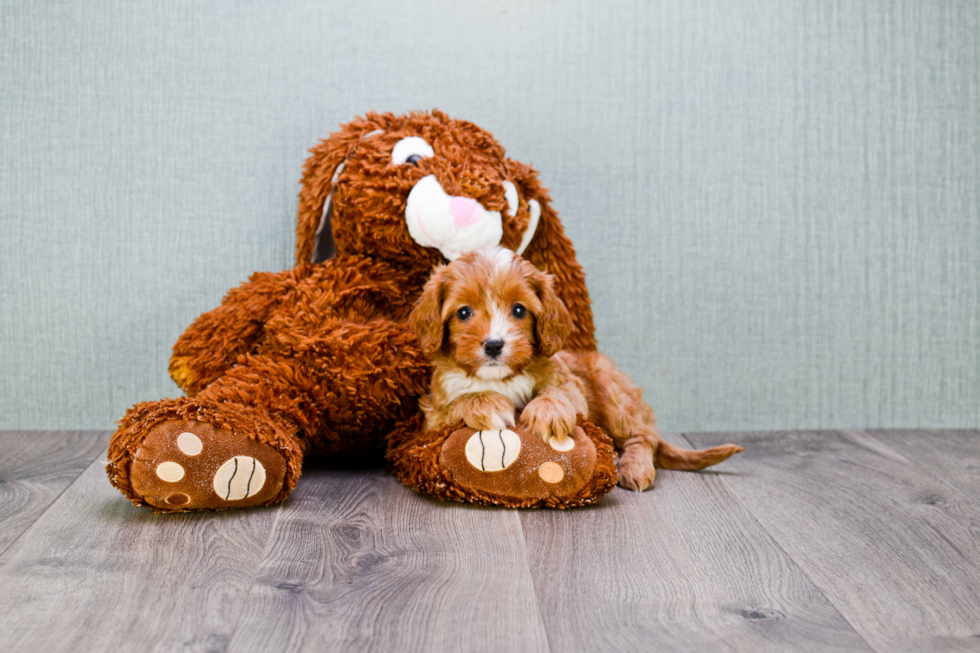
(519, 389)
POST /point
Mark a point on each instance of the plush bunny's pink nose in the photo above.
(465, 211)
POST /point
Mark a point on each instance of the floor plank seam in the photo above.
(255, 577)
(925, 472)
(51, 505)
(779, 546)
(534, 587)
(913, 464)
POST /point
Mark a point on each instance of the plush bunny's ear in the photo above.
(426, 318)
(546, 246)
(323, 245)
(553, 323)
(314, 235)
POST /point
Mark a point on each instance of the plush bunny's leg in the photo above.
(236, 444)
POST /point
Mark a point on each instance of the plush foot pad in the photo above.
(514, 466)
(185, 465)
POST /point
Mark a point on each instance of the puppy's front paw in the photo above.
(490, 421)
(549, 417)
(488, 413)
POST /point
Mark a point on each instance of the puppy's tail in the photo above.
(671, 457)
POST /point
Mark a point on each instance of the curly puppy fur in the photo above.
(319, 358)
(493, 325)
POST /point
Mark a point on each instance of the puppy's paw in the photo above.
(488, 413)
(548, 417)
(636, 471)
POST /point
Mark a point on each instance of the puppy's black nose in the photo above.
(493, 347)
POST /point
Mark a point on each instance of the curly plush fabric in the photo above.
(318, 359)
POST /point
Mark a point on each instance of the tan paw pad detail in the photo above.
(493, 451)
(189, 444)
(178, 499)
(239, 478)
(170, 472)
(551, 472)
(566, 444)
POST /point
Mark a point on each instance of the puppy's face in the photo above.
(491, 312)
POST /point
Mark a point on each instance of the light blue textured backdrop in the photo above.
(776, 202)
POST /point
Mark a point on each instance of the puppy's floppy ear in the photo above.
(553, 324)
(426, 318)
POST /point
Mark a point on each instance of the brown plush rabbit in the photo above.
(319, 359)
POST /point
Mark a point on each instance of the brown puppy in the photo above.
(494, 325)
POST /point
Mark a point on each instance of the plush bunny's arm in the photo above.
(215, 340)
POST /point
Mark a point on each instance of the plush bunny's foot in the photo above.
(186, 465)
(509, 467)
(189, 453)
(517, 465)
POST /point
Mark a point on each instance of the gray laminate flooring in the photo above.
(831, 540)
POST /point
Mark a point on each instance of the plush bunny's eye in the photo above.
(411, 150)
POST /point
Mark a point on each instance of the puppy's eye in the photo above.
(518, 311)
(411, 150)
(464, 314)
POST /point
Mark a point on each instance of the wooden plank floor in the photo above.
(813, 541)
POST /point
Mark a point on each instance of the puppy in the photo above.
(494, 328)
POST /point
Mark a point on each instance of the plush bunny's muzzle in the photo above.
(456, 225)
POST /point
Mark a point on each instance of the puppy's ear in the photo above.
(553, 323)
(426, 317)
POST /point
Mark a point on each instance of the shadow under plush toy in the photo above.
(319, 359)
